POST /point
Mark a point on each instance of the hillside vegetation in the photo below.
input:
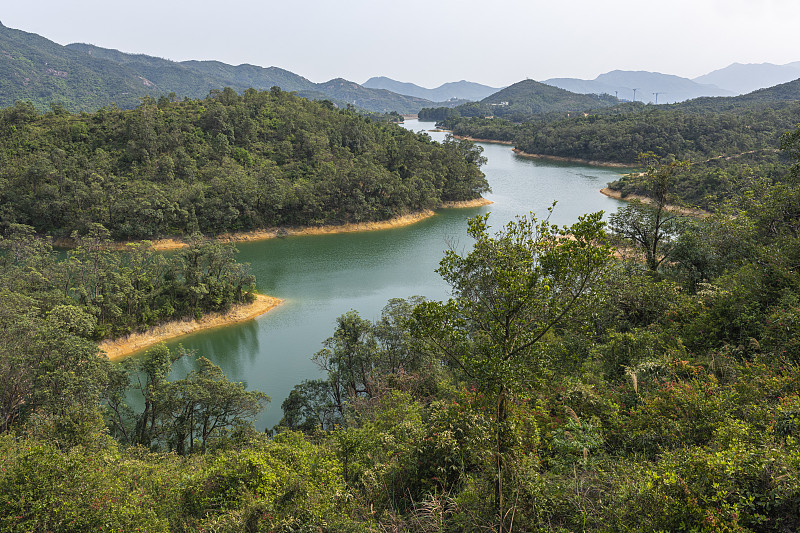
(558, 389)
(226, 163)
(728, 140)
(637, 375)
(521, 100)
(84, 77)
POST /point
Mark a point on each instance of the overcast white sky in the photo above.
(430, 42)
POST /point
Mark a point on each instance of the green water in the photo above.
(322, 277)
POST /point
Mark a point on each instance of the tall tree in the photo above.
(653, 225)
(509, 292)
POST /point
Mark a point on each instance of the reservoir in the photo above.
(322, 277)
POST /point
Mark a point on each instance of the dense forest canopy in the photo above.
(226, 163)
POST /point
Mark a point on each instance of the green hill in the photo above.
(35, 69)
(532, 97)
(84, 77)
(521, 102)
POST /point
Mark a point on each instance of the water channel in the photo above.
(323, 277)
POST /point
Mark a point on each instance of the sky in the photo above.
(430, 42)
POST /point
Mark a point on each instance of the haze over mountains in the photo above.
(744, 78)
(459, 90)
(651, 87)
(734, 80)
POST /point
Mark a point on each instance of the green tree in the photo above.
(511, 291)
(651, 227)
(204, 404)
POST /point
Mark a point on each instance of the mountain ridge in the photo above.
(86, 77)
(743, 78)
(461, 90)
(648, 84)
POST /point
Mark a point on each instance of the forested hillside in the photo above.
(560, 388)
(42, 72)
(227, 163)
(521, 100)
(728, 140)
(83, 77)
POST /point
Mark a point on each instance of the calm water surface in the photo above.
(322, 277)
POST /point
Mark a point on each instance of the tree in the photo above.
(48, 369)
(511, 291)
(204, 404)
(651, 226)
(196, 408)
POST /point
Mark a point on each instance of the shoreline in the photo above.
(463, 204)
(694, 212)
(116, 349)
(573, 160)
(478, 140)
(353, 227)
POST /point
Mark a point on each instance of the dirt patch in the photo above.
(124, 346)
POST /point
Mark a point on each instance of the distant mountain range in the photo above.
(651, 87)
(736, 79)
(744, 78)
(84, 77)
(457, 90)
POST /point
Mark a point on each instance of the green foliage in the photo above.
(227, 163)
(85, 489)
(282, 485)
(737, 485)
(100, 291)
(362, 360)
(184, 416)
(511, 291)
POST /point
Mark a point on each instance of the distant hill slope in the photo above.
(379, 100)
(84, 77)
(460, 90)
(532, 97)
(621, 83)
(745, 78)
(770, 97)
(196, 78)
(38, 70)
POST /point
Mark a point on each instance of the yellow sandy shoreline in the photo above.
(271, 233)
(478, 140)
(124, 346)
(683, 210)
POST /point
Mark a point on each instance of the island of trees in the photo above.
(635, 376)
